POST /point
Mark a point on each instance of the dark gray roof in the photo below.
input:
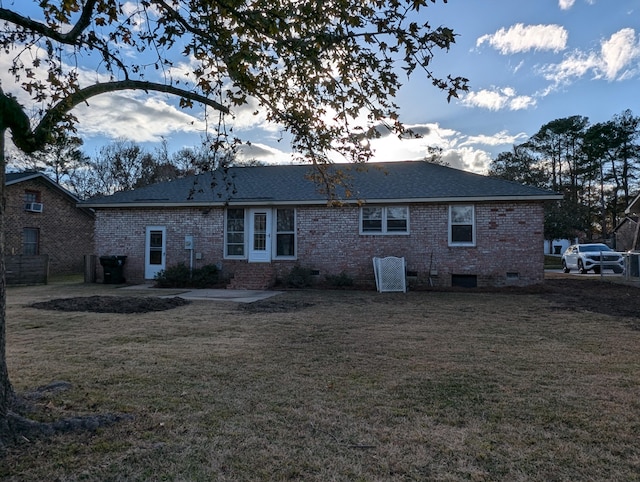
(14, 177)
(410, 181)
(17, 177)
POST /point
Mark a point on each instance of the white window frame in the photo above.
(244, 236)
(465, 222)
(273, 233)
(293, 231)
(384, 228)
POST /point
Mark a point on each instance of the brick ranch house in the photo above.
(42, 218)
(257, 223)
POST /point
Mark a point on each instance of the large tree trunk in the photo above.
(6, 391)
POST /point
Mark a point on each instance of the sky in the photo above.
(528, 63)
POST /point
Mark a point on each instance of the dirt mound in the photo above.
(611, 298)
(574, 293)
(112, 304)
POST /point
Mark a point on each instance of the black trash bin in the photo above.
(113, 267)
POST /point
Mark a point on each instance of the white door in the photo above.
(260, 236)
(155, 251)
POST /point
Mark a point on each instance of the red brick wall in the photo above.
(122, 233)
(509, 239)
(66, 232)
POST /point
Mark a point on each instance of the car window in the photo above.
(596, 248)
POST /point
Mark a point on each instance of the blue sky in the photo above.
(528, 62)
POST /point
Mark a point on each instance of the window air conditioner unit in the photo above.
(33, 207)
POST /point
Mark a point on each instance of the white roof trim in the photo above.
(263, 202)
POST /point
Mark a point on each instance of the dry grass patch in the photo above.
(332, 386)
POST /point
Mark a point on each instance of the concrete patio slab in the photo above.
(238, 296)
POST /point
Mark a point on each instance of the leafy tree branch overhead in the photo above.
(325, 71)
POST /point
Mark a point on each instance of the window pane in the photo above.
(462, 233)
(155, 256)
(285, 220)
(375, 226)
(259, 231)
(235, 232)
(259, 241)
(285, 232)
(372, 213)
(235, 238)
(397, 218)
(372, 219)
(285, 245)
(396, 225)
(397, 213)
(30, 241)
(461, 214)
(235, 250)
(31, 196)
(155, 239)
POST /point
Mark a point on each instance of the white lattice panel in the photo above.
(390, 274)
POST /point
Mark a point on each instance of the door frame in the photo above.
(150, 270)
(262, 255)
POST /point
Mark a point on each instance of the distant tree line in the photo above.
(595, 166)
(120, 166)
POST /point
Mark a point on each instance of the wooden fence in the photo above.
(27, 270)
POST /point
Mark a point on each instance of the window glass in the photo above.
(397, 218)
(235, 232)
(285, 232)
(31, 197)
(30, 241)
(462, 222)
(385, 220)
(372, 219)
(461, 214)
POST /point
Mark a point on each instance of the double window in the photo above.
(462, 225)
(384, 220)
(283, 228)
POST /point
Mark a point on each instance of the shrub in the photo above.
(298, 277)
(180, 276)
(339, 280)
(205, 277)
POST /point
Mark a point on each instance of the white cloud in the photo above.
(263, 153)
(618, 59)
(566, 4)
(460, 151)
(502, 138)
(498, 99)
(619, 54)
(134, 117)
(520, 38)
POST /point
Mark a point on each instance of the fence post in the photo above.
(90, 268)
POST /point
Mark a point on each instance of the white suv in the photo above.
(584, 257)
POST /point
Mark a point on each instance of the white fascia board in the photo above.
(256, 202)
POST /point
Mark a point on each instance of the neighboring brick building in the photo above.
(42, 218)
(257, 223)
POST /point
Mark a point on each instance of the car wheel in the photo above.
(618, 270)
(581, 269)
(564, 267)
(596, 270)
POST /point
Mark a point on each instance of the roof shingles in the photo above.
(392, 182)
